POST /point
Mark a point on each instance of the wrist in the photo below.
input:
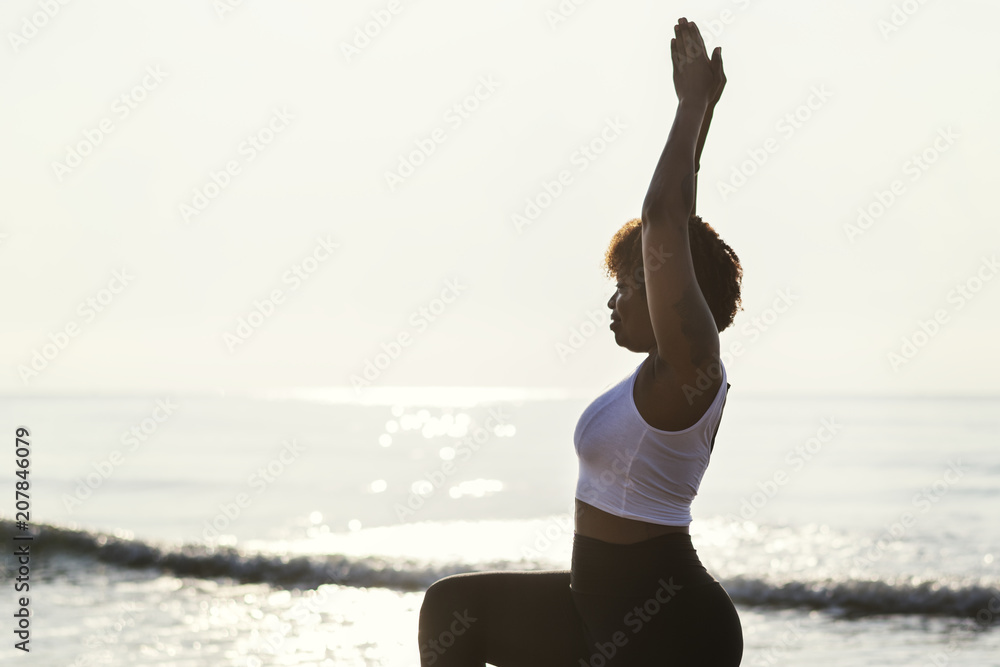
(695, 103)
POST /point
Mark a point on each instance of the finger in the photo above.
(720, 76)
(687, 47)
(697, 37)
(717, 62)
(682, 43)
(690, 43)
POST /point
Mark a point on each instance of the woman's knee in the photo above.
(448, 597)
(447, 622)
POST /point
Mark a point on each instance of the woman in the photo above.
(637, 593)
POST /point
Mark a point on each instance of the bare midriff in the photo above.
(596, 523)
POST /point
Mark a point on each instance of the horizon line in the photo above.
(442, 395)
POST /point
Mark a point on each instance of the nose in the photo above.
(611, 301)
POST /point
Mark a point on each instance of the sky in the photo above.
(265, 196)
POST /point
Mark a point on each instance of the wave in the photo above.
(857, 598)
(849, 598)
(216, 562)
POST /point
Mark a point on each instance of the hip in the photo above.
(652, 599)
(641, 568)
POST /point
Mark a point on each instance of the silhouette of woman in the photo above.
(636, 593)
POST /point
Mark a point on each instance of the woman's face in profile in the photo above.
(630, 317)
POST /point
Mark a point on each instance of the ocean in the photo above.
(302, 528)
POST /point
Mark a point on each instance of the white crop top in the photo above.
(635, 471)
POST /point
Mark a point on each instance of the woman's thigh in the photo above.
(689, 625)
(711, 626)
(504, 618)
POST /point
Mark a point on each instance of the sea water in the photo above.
(302, 529)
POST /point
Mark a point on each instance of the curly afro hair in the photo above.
(716, 266)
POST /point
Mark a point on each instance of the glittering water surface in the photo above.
(294, 532)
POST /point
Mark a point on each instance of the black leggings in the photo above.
(622, 605)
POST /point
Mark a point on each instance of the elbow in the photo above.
(654, 209)
(669, 203)
(666, 210)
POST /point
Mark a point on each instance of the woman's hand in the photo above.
(696, 78)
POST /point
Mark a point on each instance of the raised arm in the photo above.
(705, 123)
(686, 335)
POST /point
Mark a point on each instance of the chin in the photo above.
(624, 344)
